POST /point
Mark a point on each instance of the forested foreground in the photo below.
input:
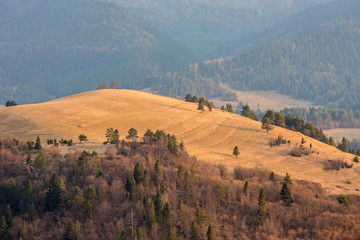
(154, 190)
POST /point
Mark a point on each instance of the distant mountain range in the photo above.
(320, 61)
(204, 25)
(50, 49)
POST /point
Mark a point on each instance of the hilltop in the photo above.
(210, 136)
(50, 49)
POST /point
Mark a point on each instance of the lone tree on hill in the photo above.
(236, 151)
(201, 106)
(83, 138)
(267, 124)
(229, 108)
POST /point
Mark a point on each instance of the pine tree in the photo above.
(343, 146)
(229, 108)
(261, 213)
(194, 234)
(139, 173)
(171, 234)
(24, 231)
(288, 179)
(116, 137)
(131, 186)
(150, 217)
(286, 194)
(55, 194)
(109, 134)
(163, 188)
(4, 230)
(165, 216)
(70, 232)
(37, 143)
(267, 124)
(246, 190)
(40, 161)
(201, 106)
(158, 204)
(331, 141)
(158, 172)
(8, 216)
(272, 177)
(27, 198)
(132, 134)
(182, 146)
(279, 120)
(146, 182)
(83, 138)
(88, 209)
(90, 193)
(236, 151)
(78, 198)
(210, 233)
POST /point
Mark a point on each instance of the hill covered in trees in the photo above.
(143, 190)
(204, 25)
(49, 49)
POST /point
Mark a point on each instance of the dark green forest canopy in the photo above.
(49, 49)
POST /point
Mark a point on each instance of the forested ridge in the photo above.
(50, 49)
(203, 25)
(151, 189)
(321, 65)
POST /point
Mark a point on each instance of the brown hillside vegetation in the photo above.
(210, 136)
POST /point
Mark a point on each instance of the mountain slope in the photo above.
(320, 62)
(203, 25)
(210, 136)
(50, 49)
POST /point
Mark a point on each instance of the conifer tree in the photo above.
(158, 204)
(246, 190)
(24, 231)
(279, 120)
(272, 177)
(201, 106)
(27, 198)
(286, 194)
(4, 230)
(267, 124)
(288, 179)
(331, 141)
(109, 135)
(116, 137)
(146, 182)
(182, 146)
(131, 186)
(88, 209)
(261, 213)
(90, 193)
(171, 234)
(194, 234)
(210, 233)
(163, 188)
(229, 108)
(8, 216)
(150, 217)
(70, 232)
(139, 173)
(132, 134)
(83, 138)
(55, 194)
(78, 198)
(37, 143)
(236, 151)
(40, 161)
(158, 172)
(165, 216)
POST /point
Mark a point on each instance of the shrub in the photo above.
(336, 165)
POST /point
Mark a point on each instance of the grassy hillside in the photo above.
(203, 25)
(50, 49)
(210, 136)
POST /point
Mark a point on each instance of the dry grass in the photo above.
(210, 136)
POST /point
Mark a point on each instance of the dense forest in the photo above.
(152, 189)
(321, 66)
(327, 118)
(50, 49)
(204, 25)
